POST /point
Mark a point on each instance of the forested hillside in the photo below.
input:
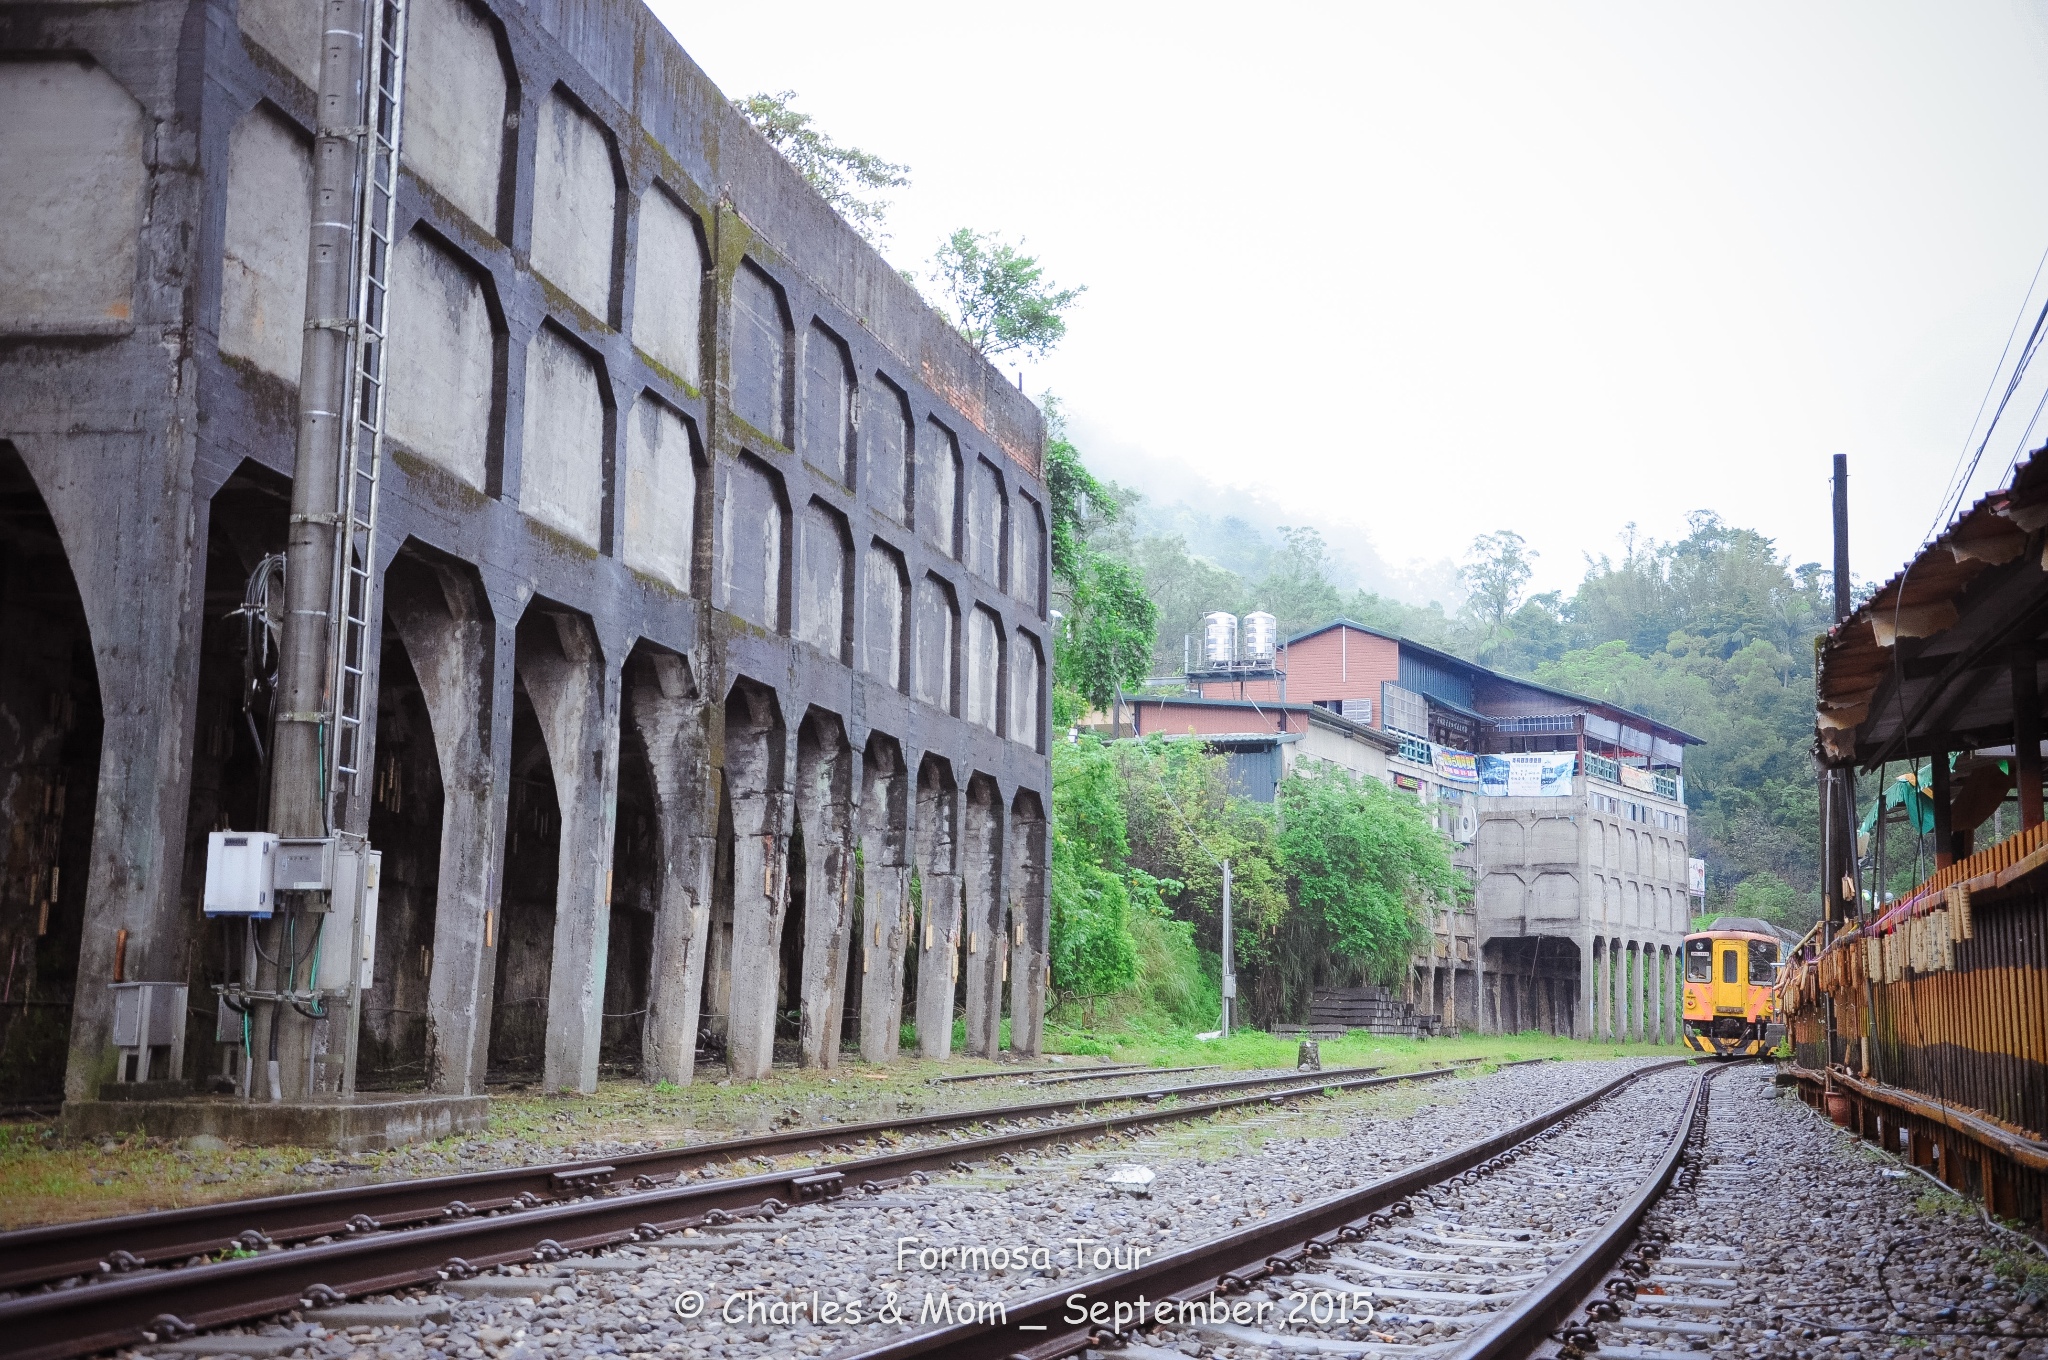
(1712, 632)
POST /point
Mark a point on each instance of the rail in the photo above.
(98, 1248)
(1043, 1327)
(151, 1306)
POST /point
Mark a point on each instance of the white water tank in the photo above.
(1261, 638)
(1219, 641)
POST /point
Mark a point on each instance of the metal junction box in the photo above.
(303, 866)
(238, 874)
(148, 1017)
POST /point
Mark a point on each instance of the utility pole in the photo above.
(298, 792)
(1840, 898)
(1838, 792)
(1229, 961)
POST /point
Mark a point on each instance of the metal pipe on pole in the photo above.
(298, 794)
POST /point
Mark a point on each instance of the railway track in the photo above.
(98, 1248)
(1518, 1244)
(424, 1236)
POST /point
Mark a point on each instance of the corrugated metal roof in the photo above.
(1924, 600)
(1474, 668)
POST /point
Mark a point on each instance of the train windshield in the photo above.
(1763, 963)
(1699, 960)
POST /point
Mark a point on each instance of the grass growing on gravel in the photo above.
(2025, 1271)
(1257, 1049)
(45, 1177)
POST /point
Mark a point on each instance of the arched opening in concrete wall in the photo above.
(823, 932)
(432, 812)
(884, 921)
(552, 961)
(526, 907)
(1531, 983)
(247, 523)
(937, 894)
(757, 892)
(714, 1010)
(406, 802)
(636, 884)
(984, 916)
(1025, 888)
(49, 783)
(789, 950)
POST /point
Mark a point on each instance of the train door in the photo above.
(1731, 978)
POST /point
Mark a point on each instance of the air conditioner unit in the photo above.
(1468, 825)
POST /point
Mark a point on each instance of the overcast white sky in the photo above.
(1419, 271)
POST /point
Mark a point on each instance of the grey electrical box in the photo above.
(149, 1017)
(229, 1024)
(238, 874)
(303, 866)
(356, 871)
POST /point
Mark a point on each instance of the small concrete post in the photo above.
(1309, 1056)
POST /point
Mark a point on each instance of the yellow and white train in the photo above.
(1729, 971)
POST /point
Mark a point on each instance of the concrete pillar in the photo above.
(1479, 977)
(1584, 1014)
(1657, 997)
(1030, 907)
(1603, 987)
(1617, 969)
(824, 806)
(755, 784)
(1639, 959)
(983, 915)
(443, 619)
(938, 939)
(667, 717)
(884, 823)
(142, 591)
(1674, 1005)
(575, 698)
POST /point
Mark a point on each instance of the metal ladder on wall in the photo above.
(363, 435)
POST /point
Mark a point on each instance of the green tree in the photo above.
(1770, 898)
(1497, 566)
(1094, 953)
(1001, 300)
(847, 178)
(1103, 641)
(1296, 589)
(1181, 820)
(1365, 864)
